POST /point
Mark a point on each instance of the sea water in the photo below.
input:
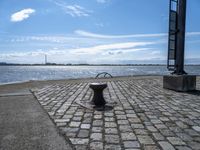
(10, 74)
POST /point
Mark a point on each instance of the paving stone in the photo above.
(79, 141)
(128, 136)
(76, 118)
(120, 112)
(137, 126)
(146, 140)
(166, 132)
(85, 126)
(61, 120)
(109, 119)
(134, 120)
(122, 122)
(196, 128)
(74, 124)
(182, 125)
(96, 136)
(176, 129)
(151, 128)
(112, 147)
(158, 136)
(131, 115)
(166, 145)
(110, 124)
(87, 120)
(176, 141)
(194, 145)
(131, 144)
(183, 148)
(111, 131)
(141, 131)
(107, 114)
(81, 147)
(97, 129)
(191, 132)
(121, 117)
(97, 116)
(125, 128)
(96, 146)
(83, 133)
(151, 147)
(61, 124)
(156, 121)
(144, 113)
(184, 136)
(111, 139)
(98, 123)
(160, 126)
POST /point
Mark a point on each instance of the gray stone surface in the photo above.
(25, 126)
(145, 116)
(180, 83)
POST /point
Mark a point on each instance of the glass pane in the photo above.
(171, 62)
(174, 6)
(173, 16)
(172, 26)
(172, 44)
(171, 54)
(172, 37)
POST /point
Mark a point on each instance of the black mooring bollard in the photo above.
(98, 99)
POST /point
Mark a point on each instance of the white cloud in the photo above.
(103, 36)
(192, 33)
(22, 15)
(94, 35)
(124, 51)
(107, 47)
(73, 10)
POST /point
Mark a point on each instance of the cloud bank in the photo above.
(22, 15)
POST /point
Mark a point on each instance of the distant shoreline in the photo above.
(10, 64)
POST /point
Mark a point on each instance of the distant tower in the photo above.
(45, 59)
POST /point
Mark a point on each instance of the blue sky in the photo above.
(92, 31)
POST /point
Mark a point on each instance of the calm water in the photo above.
(25, 73)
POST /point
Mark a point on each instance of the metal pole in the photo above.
(181, 37)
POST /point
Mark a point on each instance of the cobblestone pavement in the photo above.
(145, 116)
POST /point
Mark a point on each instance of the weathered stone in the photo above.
(111, 131)
(83, 133)
(111, 139)
(96, 136)
(146, 140)
(144, 113)
(128, 136)
(79, 141)
(112, 147)
(176, 141)
(96, 146)
(85, 126)
(197, 128)
(166, 145)
(131, 144)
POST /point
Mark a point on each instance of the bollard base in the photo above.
(181, 83)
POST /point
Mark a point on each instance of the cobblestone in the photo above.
(145, 116)
(131, 144)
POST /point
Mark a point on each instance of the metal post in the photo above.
(179, 81)
(181, 37)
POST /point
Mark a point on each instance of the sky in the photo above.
(92, 31)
